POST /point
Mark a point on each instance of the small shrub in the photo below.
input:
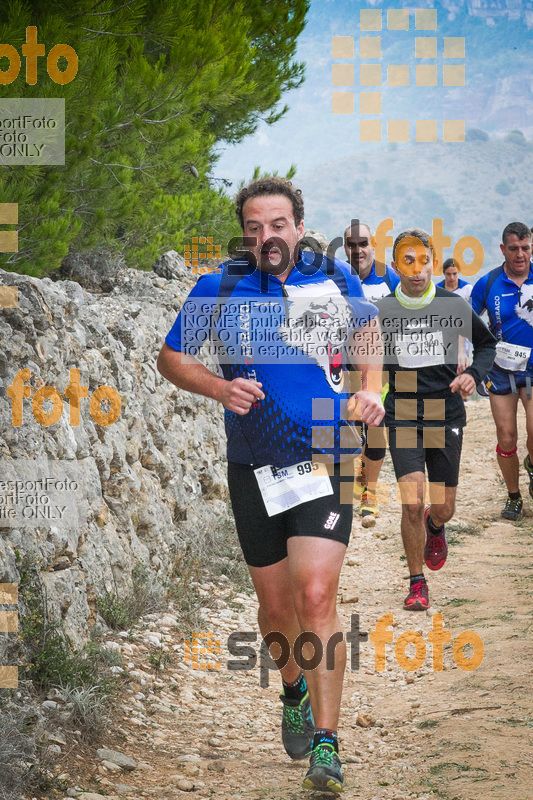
(23, 763)
(146, 596)
(87, 705)
(183, 590)
(159, 660)
(47, 657)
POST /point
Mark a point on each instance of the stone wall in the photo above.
(146, 485)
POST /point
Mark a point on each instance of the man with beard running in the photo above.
(282, 324)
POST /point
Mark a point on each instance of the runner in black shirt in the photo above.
(424, 408)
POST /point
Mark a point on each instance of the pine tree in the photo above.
(161, 84)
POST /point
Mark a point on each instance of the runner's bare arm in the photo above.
(187, 373)
(462, 357)
(365, 351)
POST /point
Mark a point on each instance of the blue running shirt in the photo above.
(376, 286)
(291, 337)
(510, 309)
(463, 290)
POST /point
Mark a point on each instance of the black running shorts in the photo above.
(442, 462)
(374, 453)
(263, 539)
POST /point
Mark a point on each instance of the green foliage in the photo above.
(159, 659)
(49, 659)
(87, 709)
(182, 588)
(121, 611)
(161, 84)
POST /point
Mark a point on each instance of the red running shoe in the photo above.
(436, 549)
(418, 597)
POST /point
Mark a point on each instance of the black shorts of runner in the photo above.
(442, 462)
(263, 539)
(374, 453)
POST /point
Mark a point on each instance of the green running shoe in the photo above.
(325, 771)
(297, 727)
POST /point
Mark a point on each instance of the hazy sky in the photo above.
(497, 53)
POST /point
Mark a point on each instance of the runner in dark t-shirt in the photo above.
(424, 409)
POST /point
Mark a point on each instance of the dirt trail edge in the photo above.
(455, 734)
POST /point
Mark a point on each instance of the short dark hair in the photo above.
(415, 233)
(449, 263)
(519, 229)
(357, 225)
(271, 186)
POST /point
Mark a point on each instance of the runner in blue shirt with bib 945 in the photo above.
(506, 293)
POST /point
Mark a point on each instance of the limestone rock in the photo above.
(115, 757)
(144, 485)
(171, 266)
(365, 720)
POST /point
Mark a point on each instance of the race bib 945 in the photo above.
(512, 357)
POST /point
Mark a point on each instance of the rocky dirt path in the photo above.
(460, 735)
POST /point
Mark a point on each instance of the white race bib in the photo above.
(420, 349)
(287, 487)
(512, 357)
